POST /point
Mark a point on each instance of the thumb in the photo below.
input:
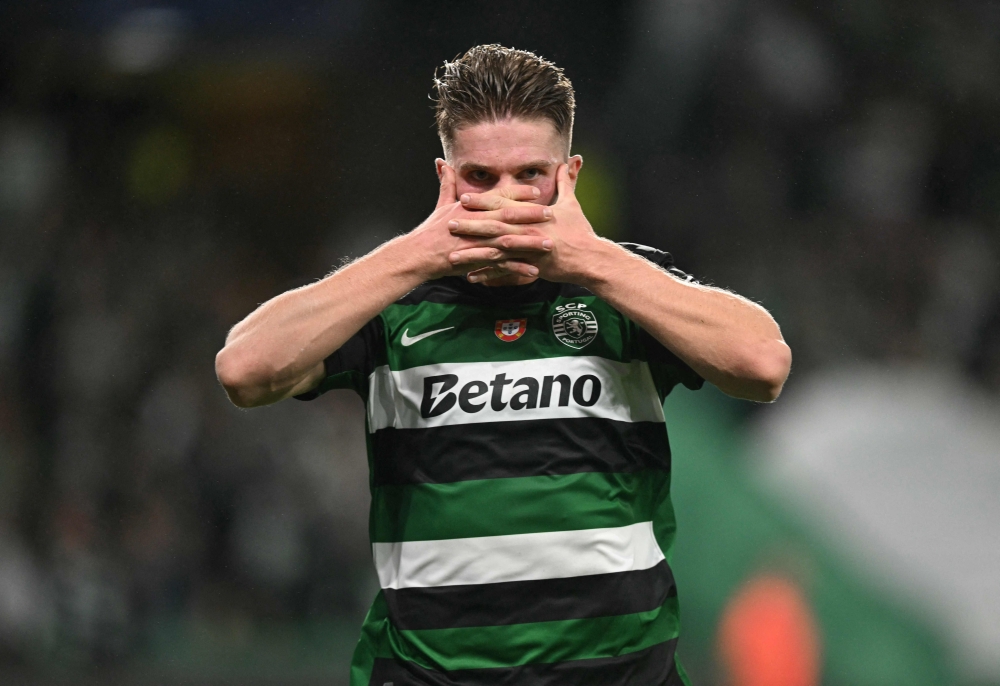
(449, 188)
(564, 185)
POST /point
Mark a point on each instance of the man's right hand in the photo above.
(434, 239)
(278, 350)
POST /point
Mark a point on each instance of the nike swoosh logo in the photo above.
(407, 341)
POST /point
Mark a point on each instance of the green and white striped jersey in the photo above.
(520, 478)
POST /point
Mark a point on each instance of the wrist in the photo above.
(600, 261)
(406, 260)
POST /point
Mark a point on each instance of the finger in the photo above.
(495, 199)
(487, 228)
(504, 269)
(488, 256)
(449, 188)
(513, 242)
(483, 274)
(520, 192)
(522, 213)
(564, 185)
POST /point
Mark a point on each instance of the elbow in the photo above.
(237, 374)
(770, 370)
(759, 375)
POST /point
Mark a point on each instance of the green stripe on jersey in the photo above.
(473, 338)
(540, 642)
(589, 500)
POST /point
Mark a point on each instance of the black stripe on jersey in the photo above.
(653, 666)
(455, 290)
(522, 602)
(497, 450)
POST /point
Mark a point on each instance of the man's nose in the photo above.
(507, 180)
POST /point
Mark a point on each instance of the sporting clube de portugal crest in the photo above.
(510, 329)
(574, 325)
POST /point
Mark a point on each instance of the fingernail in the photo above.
(547, 213)
(547, 244)
(533, 271)
(535, 192)
(473, 278)
(454, 257)
(453, 224)
(466, 199)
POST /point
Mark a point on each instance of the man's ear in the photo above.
(439, 165)
(573, 165)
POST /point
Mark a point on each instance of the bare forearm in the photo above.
(278, 350)
(730, 341)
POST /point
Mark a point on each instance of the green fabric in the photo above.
(516, 506)
(477, 327)
(730, 529)
(540, 642)
(532, 502)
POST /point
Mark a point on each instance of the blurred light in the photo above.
(26, 612)
(171, 418)
(768, 636)
(900, 467)
(145, 40)
(31, 162)
(269, 538)
(598, 188)
(94, 353)
(792, 62)
(966, 286)
(884, 166)
(674, 43)
(159, 165)
(13, 297)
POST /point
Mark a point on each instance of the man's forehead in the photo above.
(509, 144)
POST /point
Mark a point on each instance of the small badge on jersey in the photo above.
(508, 330)
(574, 325)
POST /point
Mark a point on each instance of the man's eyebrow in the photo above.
(472, 166)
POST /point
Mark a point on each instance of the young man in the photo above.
(514, 366)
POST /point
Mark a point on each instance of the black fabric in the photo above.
(667, 368)
(658, 257)
(498, 450)
(653, 666)
(456, 290)
(521, 602)
(359, 354)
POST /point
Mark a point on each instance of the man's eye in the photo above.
(530, 174)
(480, 175)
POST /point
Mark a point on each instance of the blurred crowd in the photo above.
(164, 169)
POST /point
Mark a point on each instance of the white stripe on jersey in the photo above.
(627, 392)
(517, 557)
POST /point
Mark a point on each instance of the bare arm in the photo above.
(728, 340)
(278, 350)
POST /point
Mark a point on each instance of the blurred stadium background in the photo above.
(165, 167)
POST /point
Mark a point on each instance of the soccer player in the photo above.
(513, 366)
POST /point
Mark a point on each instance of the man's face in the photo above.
(515, 151)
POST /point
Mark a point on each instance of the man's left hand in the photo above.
(573, 239)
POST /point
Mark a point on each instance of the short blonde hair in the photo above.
(491, 83)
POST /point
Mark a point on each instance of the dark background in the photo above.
(165, 168)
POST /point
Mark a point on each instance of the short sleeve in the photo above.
(667, 369)
(353, 363)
